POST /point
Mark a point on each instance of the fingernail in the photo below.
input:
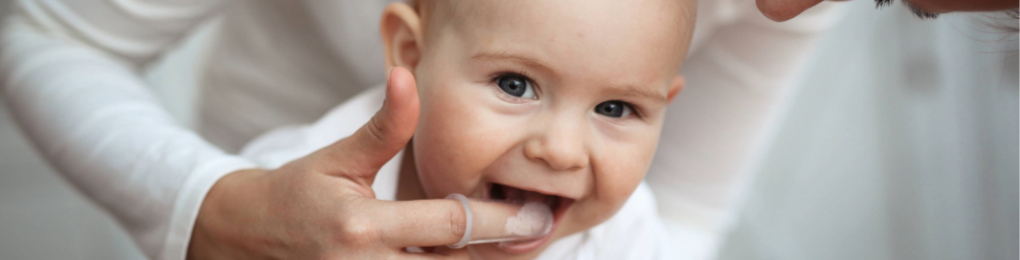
(388, 73)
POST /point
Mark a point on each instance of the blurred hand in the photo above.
(322, 206)
(782, 10)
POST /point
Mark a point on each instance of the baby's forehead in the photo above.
(677, 14)
(659, 23)
(636, 35)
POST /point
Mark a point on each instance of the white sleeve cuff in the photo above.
(189, 201)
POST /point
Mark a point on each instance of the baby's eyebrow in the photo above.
(509, 57)
(644, 92)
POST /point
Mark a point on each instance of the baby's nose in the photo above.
(562, 148)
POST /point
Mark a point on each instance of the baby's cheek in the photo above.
(617, 174)
(618, 183)
(441, 155)
(455, 142)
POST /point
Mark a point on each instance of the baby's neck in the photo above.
(408, 185)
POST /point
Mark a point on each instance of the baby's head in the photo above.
(557, 101)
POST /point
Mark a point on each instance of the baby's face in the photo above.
(554, 101)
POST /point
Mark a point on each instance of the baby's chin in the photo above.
(558, 206)
(492, 251)
(566, 224)
(495, 251)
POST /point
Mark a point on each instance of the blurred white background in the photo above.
(900, 141)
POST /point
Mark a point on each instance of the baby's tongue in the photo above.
(519, 196)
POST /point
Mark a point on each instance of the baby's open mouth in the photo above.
(557, 204)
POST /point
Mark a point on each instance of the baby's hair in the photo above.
(429, 11)
(415, 4)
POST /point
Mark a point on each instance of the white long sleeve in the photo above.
(738, 74)
(70, 73)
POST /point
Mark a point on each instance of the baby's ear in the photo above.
(675, 87)
(400, 29)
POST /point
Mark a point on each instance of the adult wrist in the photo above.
(200, 179)
(216, 232)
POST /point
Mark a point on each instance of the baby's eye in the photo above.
(516, 85)
(613, 108)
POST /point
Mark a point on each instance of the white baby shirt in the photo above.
(635, 232)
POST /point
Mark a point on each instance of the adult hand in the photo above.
(322, 206)
(782, 10)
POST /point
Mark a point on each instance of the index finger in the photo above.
(440, 222)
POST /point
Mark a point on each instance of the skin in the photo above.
(782, 10)
(471, 133)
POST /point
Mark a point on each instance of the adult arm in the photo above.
(70, 72)
(71, 78)
(738, 75)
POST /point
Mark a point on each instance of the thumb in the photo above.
(362, 154)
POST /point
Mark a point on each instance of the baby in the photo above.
(528, 100)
